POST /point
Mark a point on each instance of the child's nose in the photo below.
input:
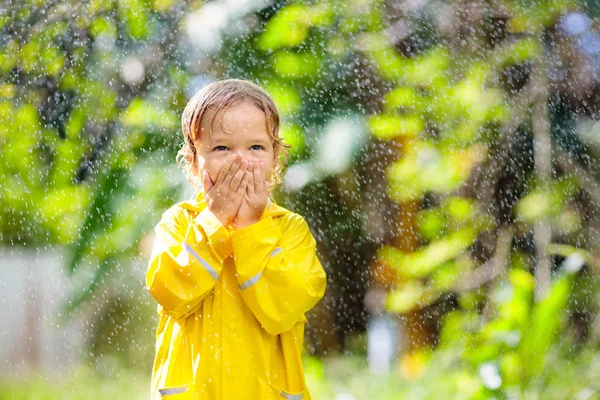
(247, 157)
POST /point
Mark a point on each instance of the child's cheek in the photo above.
(208, 164)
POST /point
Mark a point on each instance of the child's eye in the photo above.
(259, 147)
(218, 148)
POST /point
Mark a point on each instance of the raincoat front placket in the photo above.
(226, 302)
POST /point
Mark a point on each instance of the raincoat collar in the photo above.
(197, 203)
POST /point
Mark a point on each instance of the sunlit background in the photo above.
(444, 153)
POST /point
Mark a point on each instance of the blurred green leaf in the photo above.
(387, 126)
(428, 258)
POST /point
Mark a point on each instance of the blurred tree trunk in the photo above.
(543, 166)
(416, 333)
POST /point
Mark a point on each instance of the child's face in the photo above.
(246, 134)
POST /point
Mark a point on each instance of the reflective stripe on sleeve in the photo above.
(256, 277)
(276, 251)
(202, 261)
(175, 390)
(250, 281)
(291, 396)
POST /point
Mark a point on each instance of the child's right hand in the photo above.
(225, 196)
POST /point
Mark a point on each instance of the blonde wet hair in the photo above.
(220, 95)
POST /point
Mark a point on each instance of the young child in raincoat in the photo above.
(233, 273)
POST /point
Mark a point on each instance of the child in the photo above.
(233, 273)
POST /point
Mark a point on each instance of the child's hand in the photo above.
(255, 200)
(224, 196)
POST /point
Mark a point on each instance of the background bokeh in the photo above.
(444, 153)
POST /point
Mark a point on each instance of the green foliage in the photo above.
(87, 153)
(74, 134)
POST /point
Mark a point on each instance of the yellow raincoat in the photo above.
(231, 304)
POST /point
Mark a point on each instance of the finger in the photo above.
(251, 189)
(264, 177)
(245, 182)
(206, 181)
(258, 179)
(224, 170)
(235, 166)
(241, 190)
(239, 176)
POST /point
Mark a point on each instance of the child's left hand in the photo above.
(255, 200)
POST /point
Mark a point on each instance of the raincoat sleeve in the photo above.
(278, 271)
(186, 261)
